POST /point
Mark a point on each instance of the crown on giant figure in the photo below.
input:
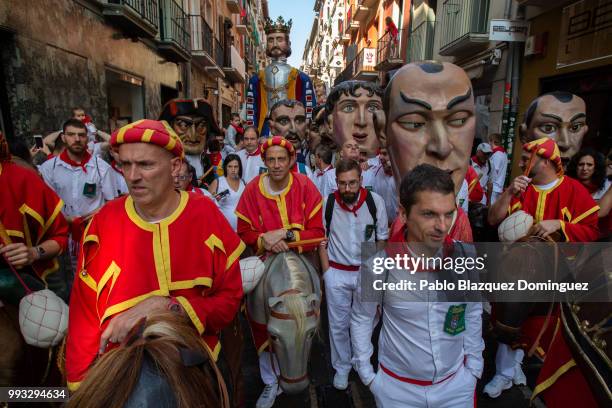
(278, 26)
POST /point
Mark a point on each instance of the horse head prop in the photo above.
(163, 363)
(287, 301)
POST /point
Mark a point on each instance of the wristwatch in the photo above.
(40, 251)
(290, 236)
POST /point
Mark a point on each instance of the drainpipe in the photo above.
(510, 93)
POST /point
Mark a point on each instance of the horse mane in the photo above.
(113, 377)
(295, 302)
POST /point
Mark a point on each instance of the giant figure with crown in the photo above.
(278, 80)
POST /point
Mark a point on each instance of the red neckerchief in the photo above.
(360, 200)
(257, 152)
(476, 160)
(320, 173)
(113, 164)
(499, 149)
(64, 157)
(238, 128)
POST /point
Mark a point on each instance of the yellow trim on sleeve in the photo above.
(243, 218)
(54, 214)
(585, 214)
(563, 230)
(191, 313)
(315, 210)
(263, 346)
(553, 378)
(235, 255)
(89, 281)
(188, 284)
(14, 233)
(214, 242)
(73, 386)
(120, 307)
(25, 209)
(113, 272)
(91, 238)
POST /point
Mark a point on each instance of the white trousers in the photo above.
(340, 287)
(507, 359)
(269, 374)
(456, 392)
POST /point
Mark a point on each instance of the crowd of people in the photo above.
(156, 216)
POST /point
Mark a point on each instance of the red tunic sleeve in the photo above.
(583, 223)
(313, 227)
(475, 191)
(247, 213)
(214, 308)
(84, 324)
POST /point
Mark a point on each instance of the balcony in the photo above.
(174, 42)
(421, 42)
(352, 26)
(234, 70)
(388, 52)
(202, 49)
(362, 67)
(464, 27)
(242, 25)
(137, 18)
(233, 6)
(361, 13)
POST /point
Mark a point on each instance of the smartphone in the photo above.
(38, 141)
(222, 194)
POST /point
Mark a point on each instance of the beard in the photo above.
(348, 198)
(294, 138)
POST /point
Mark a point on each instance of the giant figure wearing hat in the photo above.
(278, 80)
(194, 122)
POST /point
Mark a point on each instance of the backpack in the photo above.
(329, 210)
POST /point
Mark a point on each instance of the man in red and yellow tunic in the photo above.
(35, 231)
(156, 249)
(558, 204)
(277, 209)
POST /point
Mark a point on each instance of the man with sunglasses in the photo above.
(194, 123)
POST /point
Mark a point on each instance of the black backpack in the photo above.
(329, 210)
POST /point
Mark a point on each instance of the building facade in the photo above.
(121, 60)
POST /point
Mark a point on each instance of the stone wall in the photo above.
(58, 56)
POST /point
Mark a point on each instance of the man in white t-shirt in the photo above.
(481, 164)
(499, 166)
(323, 159)
(250, 156)
(353, 216)
(384, 184)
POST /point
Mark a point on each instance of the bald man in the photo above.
(430, 118)
(560, 116)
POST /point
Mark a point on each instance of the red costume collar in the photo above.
(257, 152)
(66, 159)
(360, 200)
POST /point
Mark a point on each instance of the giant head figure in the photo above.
(560, 116)
(193, 122)
(350, 108)
(277, 38)
(430, 119)
(288, 119)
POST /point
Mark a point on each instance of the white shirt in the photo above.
(600, 193)
(499, 165)
(69, 182)
(319, 177)
(463, 195)
(120, 184)
(252, 166)
(412, 340)
(347, 230)
(225, 151)
(229, 202)
(385, 187)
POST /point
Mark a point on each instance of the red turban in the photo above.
(547, 149)
(149, 131)
(277, 141)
